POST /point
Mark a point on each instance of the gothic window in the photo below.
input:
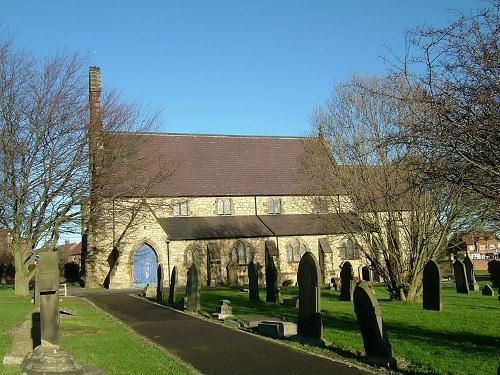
(320, 205)
(349, 251)
(223, 206)
(274, 206)
(241, 254)
(180, 209)
(294, 251)
(192, 255)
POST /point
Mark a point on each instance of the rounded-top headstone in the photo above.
(432, 286)
(308, 277)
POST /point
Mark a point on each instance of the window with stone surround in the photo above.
(294, 251)
(349, 251)
(180, 209)
(241, 254)
(274, 206)
(223, 206)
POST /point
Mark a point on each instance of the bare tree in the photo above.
(395, 221)
(453, 80)
(44, 148)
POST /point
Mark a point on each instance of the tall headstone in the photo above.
(375, 340)
(366, 274)
(432, 286)
(159, 284)
(232, 273)
(471, 277)
(494, 271)
(192, 298)
(346, 283)
(309, 278)
(214, 265)
(460, 277)
(271, 282)
(173, 286)
(253, 282)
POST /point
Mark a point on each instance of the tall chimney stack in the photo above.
(95, 98)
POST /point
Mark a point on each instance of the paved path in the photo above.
(212, 348)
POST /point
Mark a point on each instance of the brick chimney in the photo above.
(95, 98)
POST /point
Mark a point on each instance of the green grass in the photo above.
(94, 338)
(464, 338)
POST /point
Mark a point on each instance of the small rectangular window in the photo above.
(274, 206)
(223, 206)
(180, 209)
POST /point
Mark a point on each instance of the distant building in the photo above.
(70, 252)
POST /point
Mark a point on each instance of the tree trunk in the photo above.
(21, 280)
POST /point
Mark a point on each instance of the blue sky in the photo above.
(254, 67)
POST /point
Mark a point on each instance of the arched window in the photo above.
(349, 251)
(223, 206)
(241, 254)
(274, 206)
(294, 251)
(192, 255)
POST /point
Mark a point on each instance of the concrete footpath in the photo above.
(212, 348)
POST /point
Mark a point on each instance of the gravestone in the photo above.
(224, 310)
(309, 278)
(277, 329)
(232, 273)
(494, 271)
(214, 265)
(253, 283)
(150, 291)
(346, 283)
(159, 285)
(271, 282)
(375, 340)
(471, 277)
(460, 277)
(48, 357)
(432, 286)
(488, 291)
(173, 286)
(192, 298)
(366, 274)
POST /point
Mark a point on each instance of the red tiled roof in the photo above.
(209, 165)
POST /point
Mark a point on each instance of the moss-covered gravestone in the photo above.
(487, 291)
(432, 286)
(253, 282)
(346, 283)
(159, 284)
(376, 343)
(471, 277)
(460, 277)
(309, 277)
(271, 281)
(173, 286)
(192, 298)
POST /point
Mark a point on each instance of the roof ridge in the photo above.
(212, 135)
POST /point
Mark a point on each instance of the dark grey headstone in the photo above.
(159, 284)
(494, 271)
(346, 283)
(271, 281)
(192, 298)
(432, 286)
(460, 277)
(488, 291)
(469, 272)
(366, 274)
(173, 286)
(253, 283)
(309, 278)
(370, 321)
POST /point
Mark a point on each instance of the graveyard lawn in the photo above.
(464, 338)
(93, 337)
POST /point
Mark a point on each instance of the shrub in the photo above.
(71, 272)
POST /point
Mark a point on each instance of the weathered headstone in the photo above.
(366, 274)
(488, 291)
(460, 277)
(471, 277)
(346, 283)
(173, 286)
(214, 265)
(253, 283)
(271, 282)
(375, 340)
(232, 273)
(494, 271)
(150, 291)
(159, 285)
(432, 286)
(192, 298)
(309, 278)
(277, 329)
(224, 310)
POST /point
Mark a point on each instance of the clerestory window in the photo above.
(223, 206)
(274, 206)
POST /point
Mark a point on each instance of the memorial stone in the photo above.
(471, 277)
(224, 310)
(192, 298)
(309, 277)
(494, 271)
(159, 285)
(253, 283)
(271, 282)
(173, 286)
(346, 283)
(375, 340)
(232, 273)
(460, 277)
(432, 286)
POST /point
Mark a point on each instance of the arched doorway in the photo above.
(145, 266)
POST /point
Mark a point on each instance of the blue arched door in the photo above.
(145, 266)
